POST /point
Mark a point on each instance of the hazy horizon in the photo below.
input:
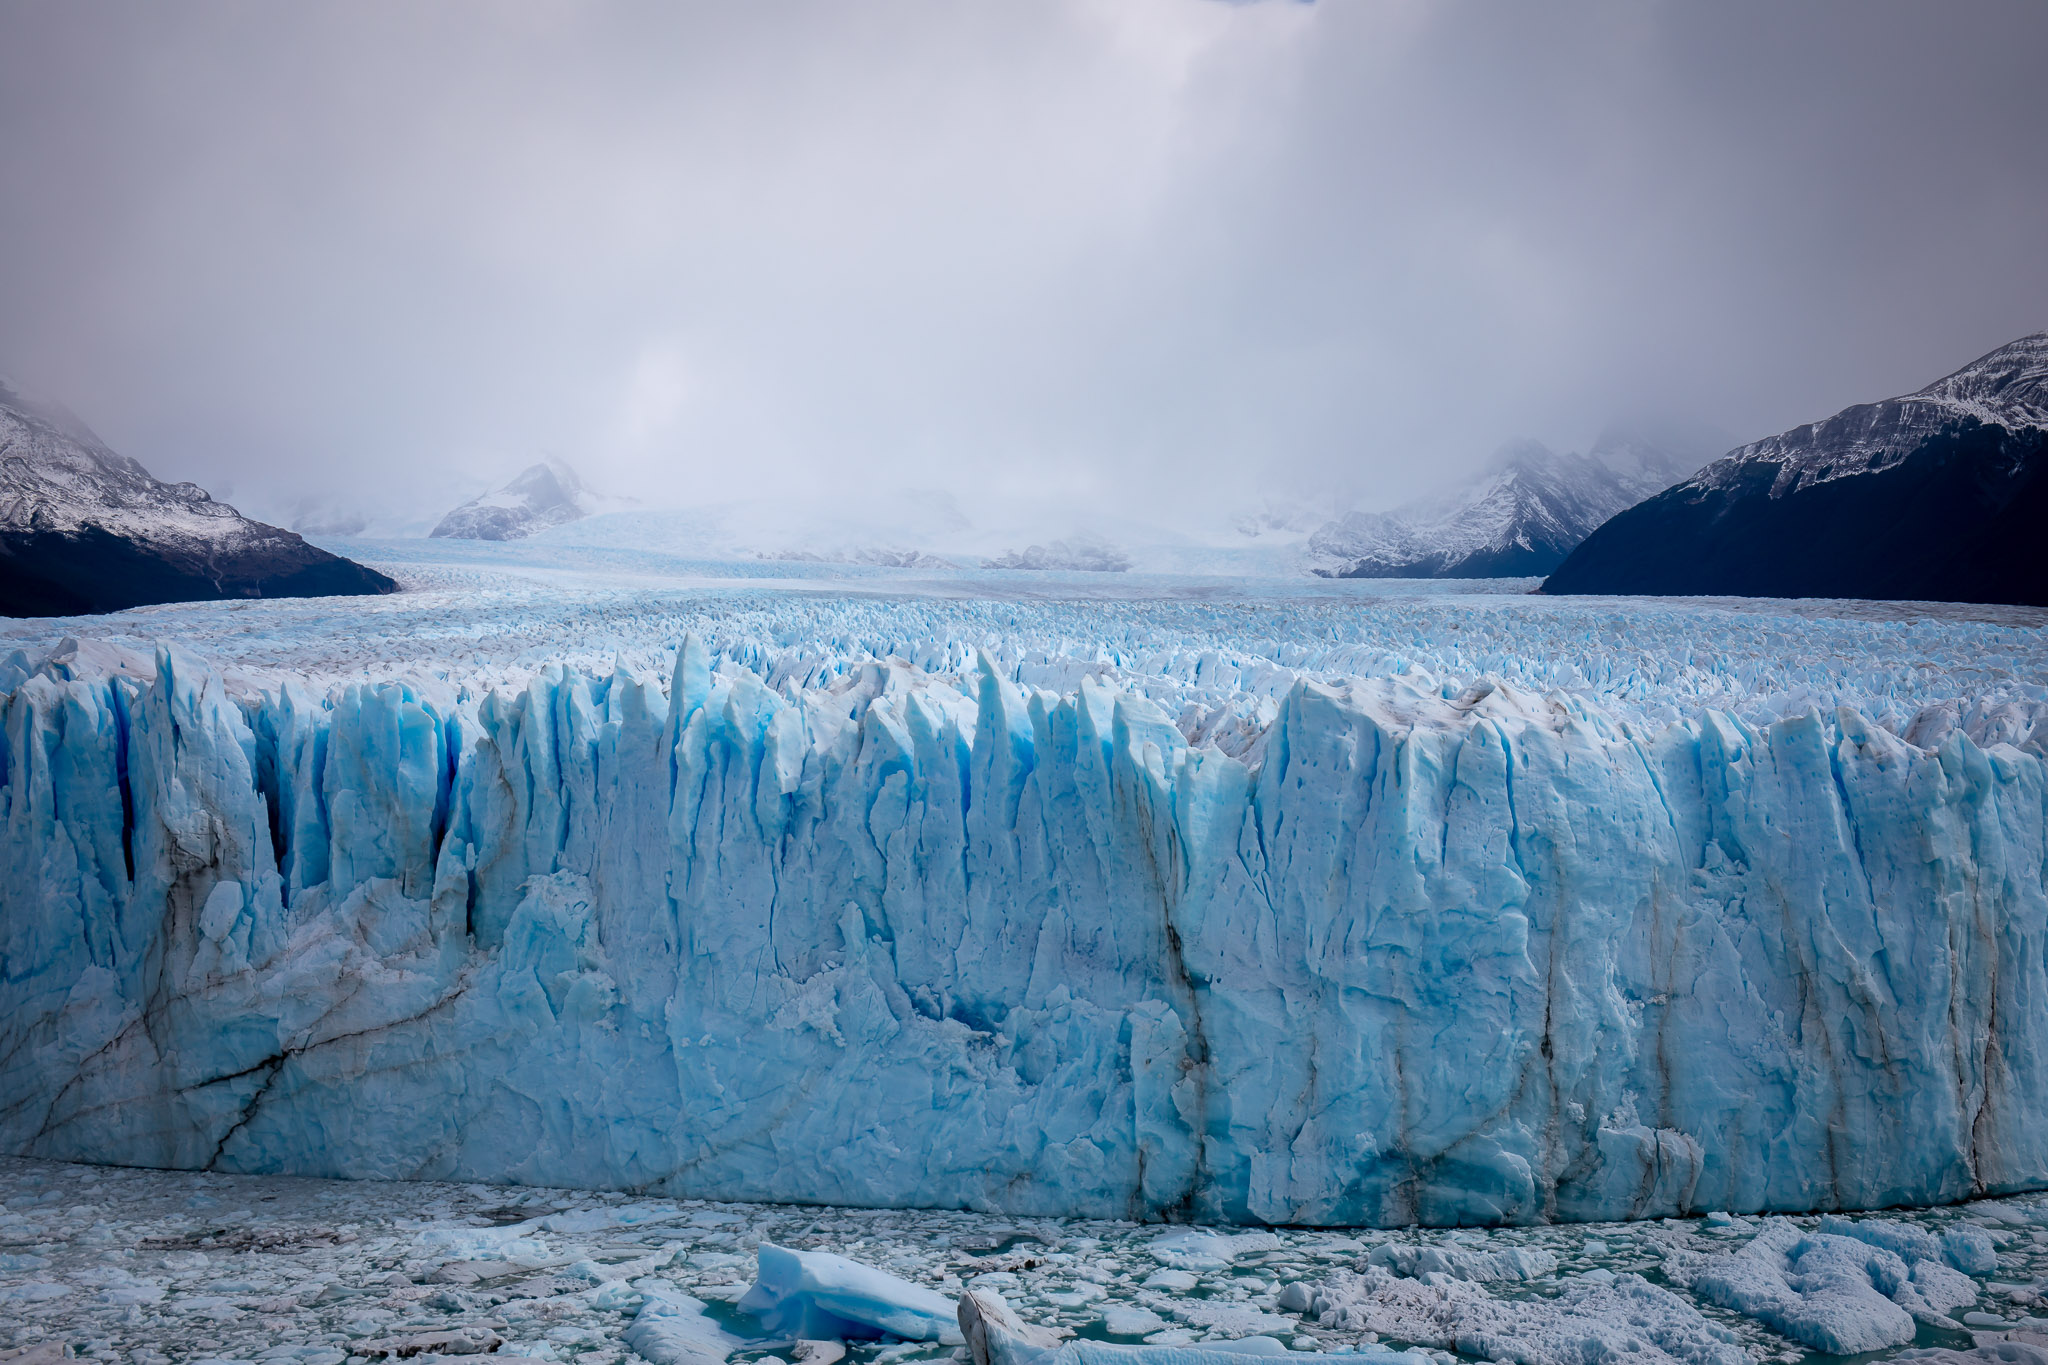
(1157, 258)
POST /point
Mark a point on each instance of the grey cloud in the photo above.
(1159, 252)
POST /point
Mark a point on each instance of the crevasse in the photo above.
(1472, 959)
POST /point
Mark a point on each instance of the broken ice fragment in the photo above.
(1969, 1249)
(1465, 1263)
(997, 1336)
(671, 1328)
(819, 1295)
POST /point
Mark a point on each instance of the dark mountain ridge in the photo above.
(84, 530)
(1937, 495)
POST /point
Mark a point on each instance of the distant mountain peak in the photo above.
(55, 416)
(1666, 449)
(1525, 453)
(550, 477)
(544, 494)
(1526, 509)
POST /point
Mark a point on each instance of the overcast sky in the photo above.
(1161, 253)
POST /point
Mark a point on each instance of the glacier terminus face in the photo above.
(1220, 934)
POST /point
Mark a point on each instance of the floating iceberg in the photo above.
(817, 1295)
(1206, 1248)
(302, 1260)
(996, 1336)
(1823, 1295)
(1994, 1352)
(1405, 952)
(672, 1328)
(1861, 1287)
(1602, 1319)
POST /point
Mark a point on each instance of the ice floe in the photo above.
(149, 1267)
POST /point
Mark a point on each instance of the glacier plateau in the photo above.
(999, 930)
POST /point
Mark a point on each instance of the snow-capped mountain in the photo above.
(543, 495)
(1526, 512)
(83, 529)
(1939, 494)
(2008, 388)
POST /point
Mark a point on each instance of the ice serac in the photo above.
(1424, 951)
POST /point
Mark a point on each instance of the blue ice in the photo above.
(1398, 951)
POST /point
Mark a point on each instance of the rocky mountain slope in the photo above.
(1528, 510)
(543, 495)
(83, 529)
(1936, 495)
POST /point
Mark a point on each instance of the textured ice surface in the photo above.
(672, 1328)
(478, 615)
(1844, 1295)
(1464, 1263)
(816, 1294)
(997, 1336)
(1589, 1320)
(1320, 907)
(145, 1266)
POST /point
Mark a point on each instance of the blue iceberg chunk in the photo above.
(822, 1296)
(1969, 1249)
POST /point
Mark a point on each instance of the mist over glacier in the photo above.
(909, 767)
(1050, 906)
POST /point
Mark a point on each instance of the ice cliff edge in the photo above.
(1456, 958)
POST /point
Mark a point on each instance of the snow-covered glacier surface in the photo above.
(1312, 907)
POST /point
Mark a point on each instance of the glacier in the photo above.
(947, 924)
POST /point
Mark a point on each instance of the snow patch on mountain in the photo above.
(2008, 388)
(85, 529)
(1935, 495)
(1525, 512)
(56, 475)
(543, 495)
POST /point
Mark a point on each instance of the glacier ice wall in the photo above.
(1404, 953)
